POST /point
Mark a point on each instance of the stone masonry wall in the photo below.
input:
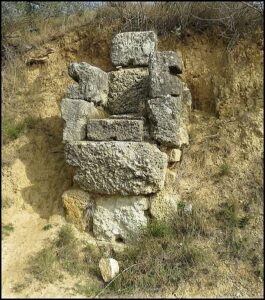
(122, 161)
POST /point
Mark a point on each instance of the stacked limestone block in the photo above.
(122, 160)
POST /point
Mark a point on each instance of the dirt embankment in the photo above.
(226, 127)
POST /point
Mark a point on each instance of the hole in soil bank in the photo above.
(119, 239)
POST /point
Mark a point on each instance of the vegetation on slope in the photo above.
(221, 171)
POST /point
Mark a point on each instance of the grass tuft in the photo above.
(7, 229)
(44, 265)
(225, 170)
(47, 227)
(12, 129)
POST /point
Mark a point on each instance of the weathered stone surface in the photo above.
(76, 114)
(109, 268)
(186, 103)
(133, 48)
(127, 168)
(79, 207)
(174, 155)
(128, 91)
(170, 179)
(164, 116)
(136, 116)
(118, 218)
(164, 206)
(173, 62)
(133, 116)
(92, 83)
(185, 111)
(183, 134)
(162, 82)
(115, 130)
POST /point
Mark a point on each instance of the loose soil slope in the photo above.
(226, 128)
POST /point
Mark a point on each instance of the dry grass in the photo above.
(161, 260)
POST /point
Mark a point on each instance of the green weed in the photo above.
(7, 229)
(12, 129)
(225, 170)
(47, 227)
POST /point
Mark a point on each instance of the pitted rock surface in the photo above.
(76, 114)
(170, 61)
(128, 91)
(119, 218)
(162, 82)
(127, 168)
(164, 206)
(115, 130)
(133, 48)
(92, 83)
(136, 116)
(164, 116)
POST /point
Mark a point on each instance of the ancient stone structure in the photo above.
(121, 161)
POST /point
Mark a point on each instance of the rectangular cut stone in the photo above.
(128, 91)
(136, 117)
(164, 114)
(114, 130)
(124, 168)
(75, 114)
(133, 48)
(92, 83)
(162, 82)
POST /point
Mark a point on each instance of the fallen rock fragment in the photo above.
(174, 155)
(109, 268)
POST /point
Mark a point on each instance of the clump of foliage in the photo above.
(7, 229)
(160, 259)
(47, 227)
(13, 129)
(65, 254)
(224, 169)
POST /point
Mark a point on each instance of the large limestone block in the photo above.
(127, 168)
(162, 81)
(128, 91)
(114, 130)
(76, 114)
(164, 206)
(79, 207)
(92, 83)
(133, 48)
(119, 218)
(164, 115)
